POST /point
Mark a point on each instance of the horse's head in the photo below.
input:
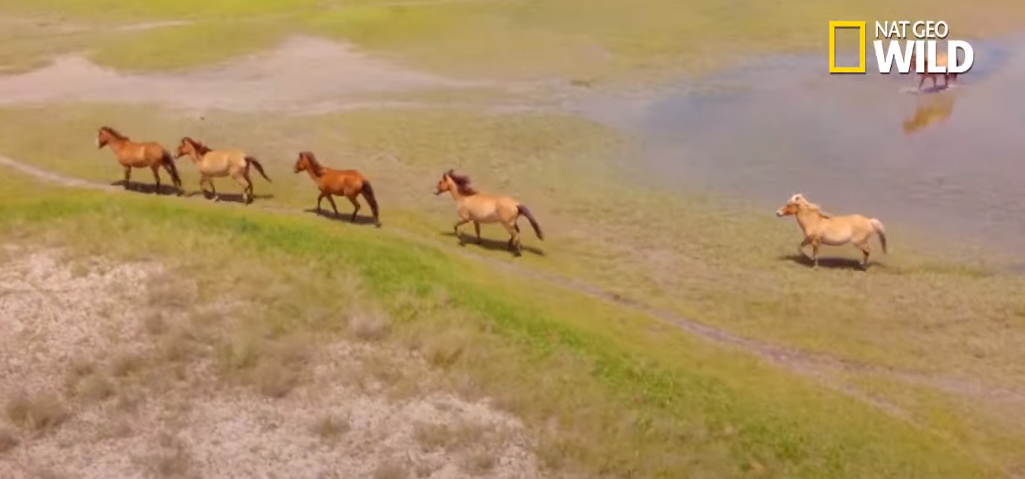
(105, 135)
(308, 161)
(445, 183)
(793, 206)
(187, 146)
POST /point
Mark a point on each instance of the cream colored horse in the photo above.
(220, 163)
(477, 207)
(821, 228)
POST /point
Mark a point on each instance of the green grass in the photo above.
(628, 398)
(597, 40)
(913, 311)
(715, 264)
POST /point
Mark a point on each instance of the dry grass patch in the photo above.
(370, 326)
(39, 414)
(331, 427)
(8, 440)
(391, 470)
(442, 436)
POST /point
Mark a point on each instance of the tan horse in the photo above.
(934, 109)
(820, 228)
(347, 183)
(220, 163)
(941, 61)
(145, 154)
(477, 207)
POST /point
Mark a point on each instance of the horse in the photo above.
(220, 163)
(935, 109)
(821, 228)
(478, 207)
(347, 183)
(941, 61)
(145, 154)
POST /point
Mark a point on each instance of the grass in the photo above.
(626, 396)
(632, 242)
(586, 41)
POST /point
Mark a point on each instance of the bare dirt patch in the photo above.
(303, 72)
(96, 384)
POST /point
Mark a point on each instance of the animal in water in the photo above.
(139, 154)
(932, 110)
(477, 207)
(941, 61)
(821, 228)
(220, 163)
(332, 182)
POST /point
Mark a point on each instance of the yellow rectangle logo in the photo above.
(833, 26)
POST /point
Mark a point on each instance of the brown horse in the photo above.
(220, 163)
(347, 183)
(477, 207)
(941, 61)
(820, 228)
(146, 154)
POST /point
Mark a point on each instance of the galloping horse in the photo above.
(347, 183)
(220, 163)
(821, 228)
(146, 154)
(941, 61)
(477, 207)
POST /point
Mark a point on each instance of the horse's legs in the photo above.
(514, 241)
(922, 82)
(455, 228)
(156, 177)
(213, 189)
(247, 188)
(476, 228)
(800, 247)
(866, 250)
(815, 253)
(331, 200)
(355, 207)
(128, 177)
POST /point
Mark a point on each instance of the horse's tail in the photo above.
(368, 192)
(168, 161)
(252, 161)
(523, 210)
(881, 231)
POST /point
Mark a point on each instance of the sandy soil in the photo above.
(77, 406)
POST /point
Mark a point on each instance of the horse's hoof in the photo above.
(378, 224)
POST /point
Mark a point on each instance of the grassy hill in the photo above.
(655, 333)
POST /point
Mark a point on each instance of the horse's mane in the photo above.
(198, 145)
(462, 183)
(818, 209)
(315, 165)
(113, 132)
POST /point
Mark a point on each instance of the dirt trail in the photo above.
(819, 367)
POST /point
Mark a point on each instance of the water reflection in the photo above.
(931, 109)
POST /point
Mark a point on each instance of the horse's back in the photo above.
(343, 181)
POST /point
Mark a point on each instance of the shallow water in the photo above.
(850, 142)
